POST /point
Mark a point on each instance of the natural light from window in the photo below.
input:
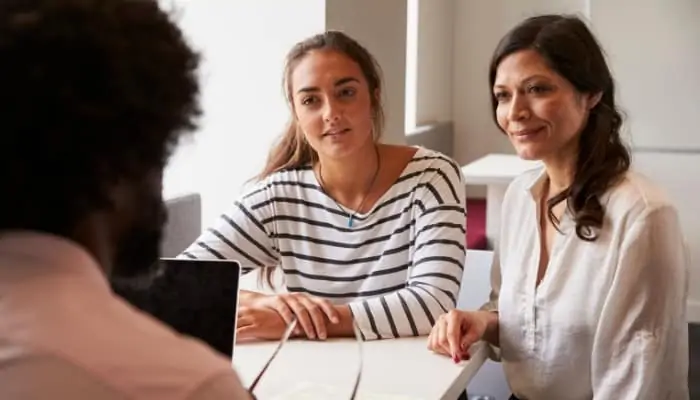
(411, 64)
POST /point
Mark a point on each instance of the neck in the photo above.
(94, 239)
(560, 174)
(349, 178)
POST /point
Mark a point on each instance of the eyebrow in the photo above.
(525, 81)
(339, 82)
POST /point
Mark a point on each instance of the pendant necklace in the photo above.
(351, 217)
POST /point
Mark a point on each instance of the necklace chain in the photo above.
(352, 216)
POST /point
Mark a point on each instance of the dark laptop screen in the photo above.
(198, 298)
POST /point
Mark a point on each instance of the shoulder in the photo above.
(121, 338)
(303, 174)
(433, 177)
(296, 174)
(647, 223)
(41, 375)
(286, 182)
(185, 362)
(636, 197)
(433, 163)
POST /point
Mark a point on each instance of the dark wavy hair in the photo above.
(94, 92)
(570, 49)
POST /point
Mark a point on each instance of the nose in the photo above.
(519, 108)
(332, 111)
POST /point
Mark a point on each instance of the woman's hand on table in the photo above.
(312, 313)
(455, 332)
(259, 323)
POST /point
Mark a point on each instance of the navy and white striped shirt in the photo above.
(398, 267)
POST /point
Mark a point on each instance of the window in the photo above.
(411, 64)
(243, 45)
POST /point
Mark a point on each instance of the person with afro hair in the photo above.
(94, 97)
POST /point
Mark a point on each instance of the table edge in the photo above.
(471, 368)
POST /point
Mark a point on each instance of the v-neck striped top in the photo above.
(399, 266)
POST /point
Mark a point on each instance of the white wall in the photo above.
(380, 26)
(656, 62)
(243, 44)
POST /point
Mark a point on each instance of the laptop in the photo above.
(197, 298)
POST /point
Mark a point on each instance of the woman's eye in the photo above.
(347, 92)
(537, 89)
(501, 96)
(308, 100)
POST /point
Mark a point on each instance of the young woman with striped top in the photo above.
(364, 232)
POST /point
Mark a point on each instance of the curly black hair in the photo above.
(92, 93)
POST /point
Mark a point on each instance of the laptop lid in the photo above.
(198, 298)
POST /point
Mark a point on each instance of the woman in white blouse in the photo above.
(589, 282)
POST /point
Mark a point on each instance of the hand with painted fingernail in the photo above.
(456, 331)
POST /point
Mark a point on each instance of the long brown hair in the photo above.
(570, 49)
(292, 150)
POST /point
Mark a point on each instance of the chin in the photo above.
(529, 153)
(341, 151)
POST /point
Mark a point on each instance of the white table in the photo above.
(396, 369)
(495, 171)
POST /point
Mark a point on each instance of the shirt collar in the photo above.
(536, 184)
(28, 254)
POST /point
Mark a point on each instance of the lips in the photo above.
(525, 134)
(336, 132)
